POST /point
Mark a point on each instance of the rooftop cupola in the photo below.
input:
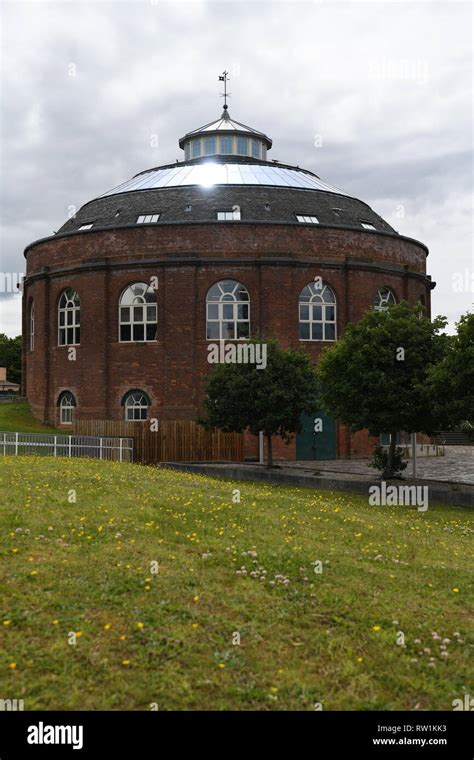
(225, 137)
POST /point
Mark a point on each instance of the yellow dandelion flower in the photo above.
(456, 590)
(107, 627)
(140, 625)
(34, 572)
(12, 666)
(376, 628)
(7, 622)
(125, 662)
(196, 598)
(55, 622)
(221, 665)
(360, 659)
(194, 625)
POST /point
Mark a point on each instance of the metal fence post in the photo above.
(100, 447)
(70, 446)
(16, 444)
(55, 445)
(121, 444)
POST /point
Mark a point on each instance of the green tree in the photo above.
(272, 400)
(10, 356)
(451, 381)
(375, 376)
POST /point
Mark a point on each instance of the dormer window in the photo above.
(367, 226)
(86, 226)
(148, 218)
(307, 219)
(196, 148)
(229, 216)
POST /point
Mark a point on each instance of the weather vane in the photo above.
(224, 78)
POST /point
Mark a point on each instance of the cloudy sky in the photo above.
(374, 97)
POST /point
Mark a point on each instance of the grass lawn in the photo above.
(169, 638)
(17, 418)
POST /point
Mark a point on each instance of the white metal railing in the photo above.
(45, 444)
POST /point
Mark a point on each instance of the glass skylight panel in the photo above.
(86, 226)
(224, 174)
(148, 218)
(367, 226)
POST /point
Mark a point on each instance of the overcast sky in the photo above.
(373, 97)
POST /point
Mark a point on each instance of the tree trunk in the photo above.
(389, 473)
(269, 450)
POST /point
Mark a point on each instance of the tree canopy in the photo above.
(10, 356)
(376, 375)
(272, 400)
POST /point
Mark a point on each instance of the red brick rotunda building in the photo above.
(223, 245)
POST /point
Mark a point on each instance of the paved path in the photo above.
(456, 466)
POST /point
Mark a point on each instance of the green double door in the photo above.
(317, 440)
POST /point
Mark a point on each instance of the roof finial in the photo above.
(224, 78)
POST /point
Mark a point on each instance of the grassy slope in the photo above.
(16, 417)
(86, 567)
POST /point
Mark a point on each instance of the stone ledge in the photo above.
(440, 492)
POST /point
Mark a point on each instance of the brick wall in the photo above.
(274, 262)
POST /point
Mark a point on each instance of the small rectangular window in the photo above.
(307, 219)
(229, 216)
(367, 226)
(148, 218)
(86, 226)
(226, 144)
(256, 148)
(209, 146)
(196, 148)
(242, 146)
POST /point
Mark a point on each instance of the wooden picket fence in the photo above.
(174, 441)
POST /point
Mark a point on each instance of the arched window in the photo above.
(69, 318)
(138, 313)
(317, 312)
(66, 403)
(136, 405)
(384, 298)
(228, 311)
(32, 326)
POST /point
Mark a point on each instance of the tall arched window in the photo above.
(136, 405)
(383, 299)
(317, 312)
(66, 403)
(138, 313)
(69, 318)
(228, 311)
(32, 326)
